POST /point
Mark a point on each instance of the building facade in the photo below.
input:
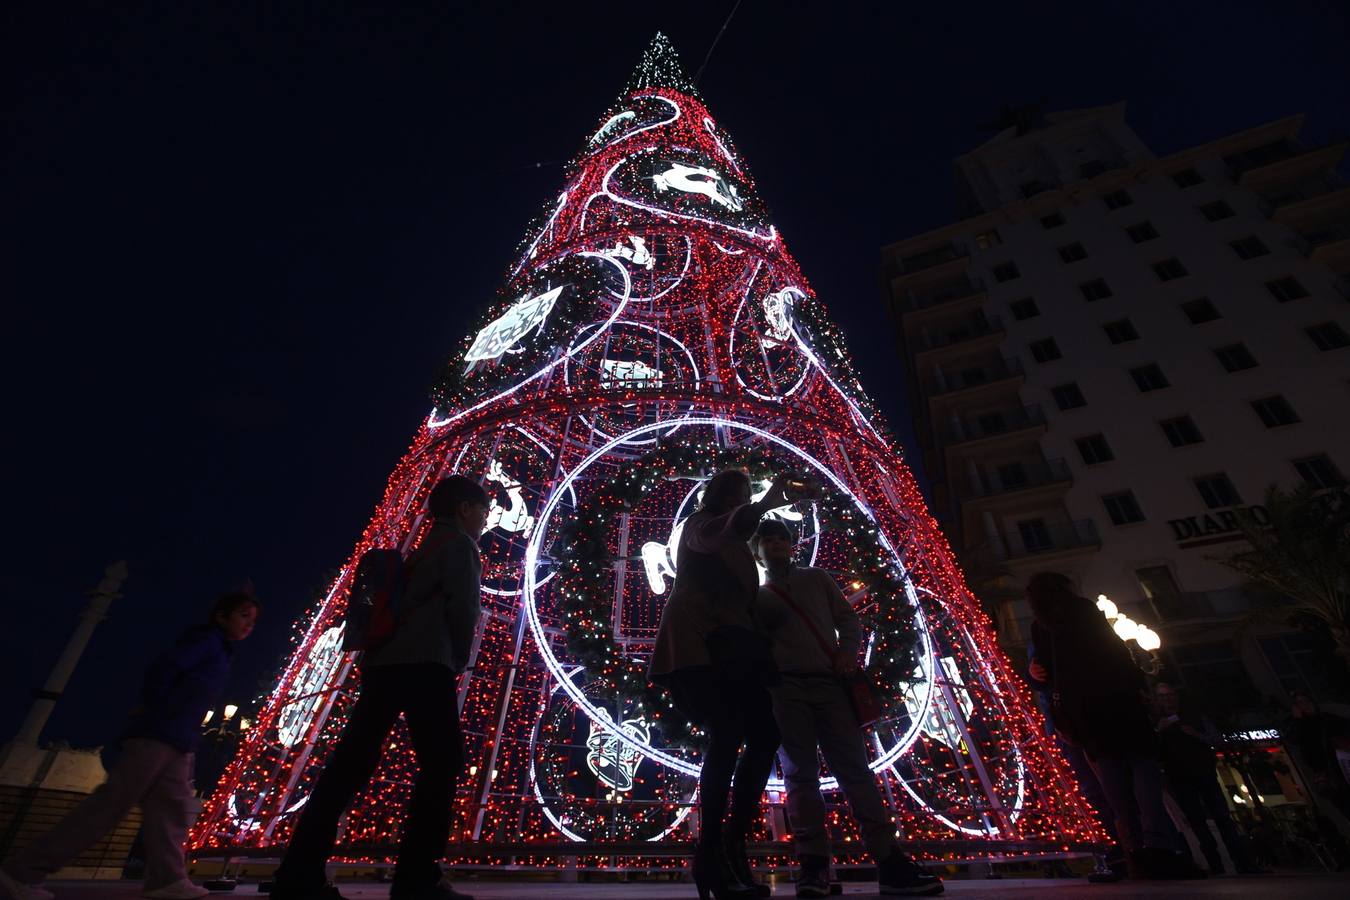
(1111, 353)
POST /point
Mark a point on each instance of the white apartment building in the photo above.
(1111, 352)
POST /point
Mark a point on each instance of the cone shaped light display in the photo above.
(653, 330)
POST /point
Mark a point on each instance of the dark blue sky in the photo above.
(238, 244)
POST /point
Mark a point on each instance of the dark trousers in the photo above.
(736, 711)
(1134, 787)
(425, 694)
(1200, 798)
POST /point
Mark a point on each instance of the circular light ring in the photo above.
(693, 365)
(731, 347)
(555, 667)
(539, 794)
(433, 424)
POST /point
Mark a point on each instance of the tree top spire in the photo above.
(660, 67)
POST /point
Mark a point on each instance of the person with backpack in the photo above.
(816, 637)
(154, 770)
(413, 672)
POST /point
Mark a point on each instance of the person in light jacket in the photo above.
(816, 638)
(716, 663)
(413, 673)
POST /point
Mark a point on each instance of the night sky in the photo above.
(238, 244)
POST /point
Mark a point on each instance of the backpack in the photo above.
(373, 605)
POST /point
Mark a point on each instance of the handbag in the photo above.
(858, 687)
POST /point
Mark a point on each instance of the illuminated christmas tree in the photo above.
(652, 330)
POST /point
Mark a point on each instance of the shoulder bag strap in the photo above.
(830, 650)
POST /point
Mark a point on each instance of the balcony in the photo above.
(994, 424)
(1036, 475)
(1281, 162)
(1291, 207)
(914, 301)
(928, 259)
(1328, 244)
(1058, 538)
(942, 384)
(1183, 606)
(968, 331)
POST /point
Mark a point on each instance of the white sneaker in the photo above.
(179, 890)
(13, 889)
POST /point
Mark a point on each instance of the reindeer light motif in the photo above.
(699, 180)
(514, 518)
(658, 560)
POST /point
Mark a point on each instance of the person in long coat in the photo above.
(717, 664)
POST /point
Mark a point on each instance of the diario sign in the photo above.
(1216, 527)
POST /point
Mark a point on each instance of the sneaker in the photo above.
(900, 875)
(12, 888)
(181, 889)
(814, 879)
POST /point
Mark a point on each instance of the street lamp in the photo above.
(1128, 629)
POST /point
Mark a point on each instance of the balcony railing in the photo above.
(1319, 236)
(994, 424)
(1277, 151)
(1224, 603)
(1080, 534)
(1274, 202)
(1038, 474)
(945, 383)
(966, 287)
(928, 259)
(968, 332)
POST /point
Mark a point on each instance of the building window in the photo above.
(991, 422)
(1142, 232)
(1200, 310)
(1122, 508)
(1275, 411)
(1249, 247)
(1187, 178)
(1117, 199)
(1094, 449)
(1169, 269)
(1054, 220)
(1120, 331)
(1216, 490)
(1216, 211)
(1012, 475)
(1149, 378)
(1161, 590)
(1024, 309)
(1096, 289)
(1286, 289)
(1181, 431)
(1044, 350)
(1035, 535)
(1072, 252)
(1068, 396)
(1235, 357)
(1006, 272)
(1299, 662)
(1319, 472)
(1328, 336)
(986, 239)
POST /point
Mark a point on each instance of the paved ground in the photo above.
(1272, 887)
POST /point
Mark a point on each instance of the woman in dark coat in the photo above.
(716, 664)
(1097, 703)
